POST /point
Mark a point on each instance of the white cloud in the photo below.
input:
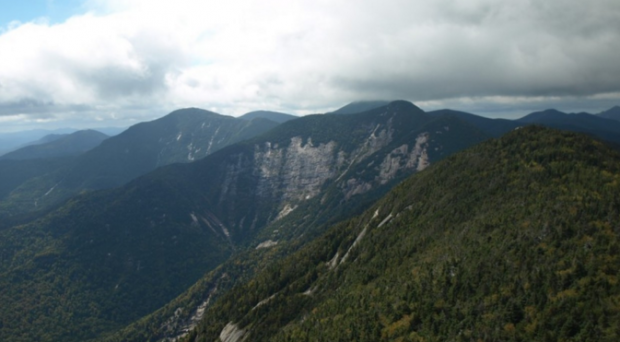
(141, 58)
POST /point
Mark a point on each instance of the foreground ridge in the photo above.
(515, 239)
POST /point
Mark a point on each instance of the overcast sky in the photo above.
(117, 62)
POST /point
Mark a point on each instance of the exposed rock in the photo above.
(176, 327)
(231, 333)
(357, 240)
(285, 211)
(334, 261)
(396, 161)
(296, 173)
(267, 244)
(264, 301)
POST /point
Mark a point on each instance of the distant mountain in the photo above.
(273, 116)
(360, 106)
(602, 128)
(493, 127)
(53, 146)
(596, 126)
(14, 140)
(514, 239)
(182, 136)
(114, 256)
(612, 113)
(46, 139)
(111, 131)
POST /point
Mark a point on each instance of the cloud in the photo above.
(310, 56)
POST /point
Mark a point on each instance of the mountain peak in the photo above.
(191, 111)
(546, 114)
(612, 113)
(265, 114)
(403, 104)
(360, 106)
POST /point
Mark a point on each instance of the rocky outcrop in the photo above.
(296, 172)
(405, 157)
(281, 174)
(232, 333)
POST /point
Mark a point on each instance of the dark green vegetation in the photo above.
(102, 260)
(16, 172)
(97, 263)
(516, 239)
(59, 146)
(182, 136)
(264, 114)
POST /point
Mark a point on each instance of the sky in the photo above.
(102, 63)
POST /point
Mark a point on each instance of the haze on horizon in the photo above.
(97, 63)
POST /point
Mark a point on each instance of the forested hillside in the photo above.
(515, 239)
(106, 259)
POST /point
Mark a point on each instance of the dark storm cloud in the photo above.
(533, 49)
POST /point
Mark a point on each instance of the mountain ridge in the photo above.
(448, 254)
(360, 107)
(612, 113)
(231, 214)
(59, 146)
(182, 136)
(185, 219)
(269, 115)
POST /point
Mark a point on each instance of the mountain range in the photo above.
(185, 219)
(53, 146)
(182, 136)
(211, 227)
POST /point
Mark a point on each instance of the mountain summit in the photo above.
(612, 113)
(273, 116)
(360, 107)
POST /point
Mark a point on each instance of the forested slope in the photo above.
(515, 239)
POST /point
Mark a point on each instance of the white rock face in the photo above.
(400, 158)
(285, 175)
(266, 244)
(285, 211)
(297, 172)
(264, 301)
(357, 240)
(176, 328)
(231, 333)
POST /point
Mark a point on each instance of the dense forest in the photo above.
(515, 239)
